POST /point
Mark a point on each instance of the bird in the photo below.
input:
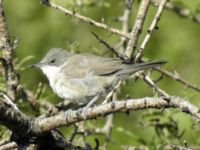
(84, 78)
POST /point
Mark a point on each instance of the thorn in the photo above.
(45, 2)
(156, 27)
(148, 31)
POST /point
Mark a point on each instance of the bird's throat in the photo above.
(51, 72)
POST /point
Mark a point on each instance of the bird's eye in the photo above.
(52, 61)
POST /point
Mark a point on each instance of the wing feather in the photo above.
(80, 65)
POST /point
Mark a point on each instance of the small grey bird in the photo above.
(83, 78)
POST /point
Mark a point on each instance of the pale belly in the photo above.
(72, 90)
(79, 91)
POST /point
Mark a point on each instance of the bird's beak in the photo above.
(37, 65)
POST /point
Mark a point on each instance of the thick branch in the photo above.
(71, 117)
(13, 119)
(7, 50)
(24, 131)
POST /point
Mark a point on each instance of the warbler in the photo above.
(82, 78)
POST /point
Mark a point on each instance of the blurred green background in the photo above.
(39, 28)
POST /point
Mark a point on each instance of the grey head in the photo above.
(55, 57)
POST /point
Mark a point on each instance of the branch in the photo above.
(177, 77)
(25, 130)
(137, 28)
(106, 130)
(152, 84)
(7, 47)
(182, 12)
(116, 53)
(13, 118)
(26, 127)
(70, 117)
(84, 19)
(125, 24)
(151, 29)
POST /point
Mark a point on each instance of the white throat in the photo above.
(50, 72)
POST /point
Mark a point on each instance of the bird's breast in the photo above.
(73, 90)
(51, 73)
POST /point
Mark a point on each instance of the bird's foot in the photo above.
(84, 112)
(66, 113)
(52, 111)
(91, 103)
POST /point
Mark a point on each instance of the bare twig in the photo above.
(182, 12)
(112, 92)
(150, 82)
(83, 18)
(7, 47)
(150, 30)
(137, 28)
(117, 54)
(106, 130)
(125, 24)
(176, 77)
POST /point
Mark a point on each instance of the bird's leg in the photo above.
(58, 107)
(64, 105)
(51, 111)
(112, 92)
(91, 103)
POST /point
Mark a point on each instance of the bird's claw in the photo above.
(67, 112)
(84, 112)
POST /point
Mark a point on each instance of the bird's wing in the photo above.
(80, 65)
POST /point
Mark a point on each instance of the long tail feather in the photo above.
(130, 69)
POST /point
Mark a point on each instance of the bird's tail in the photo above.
(132, 68)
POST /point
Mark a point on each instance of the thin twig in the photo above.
(150, 30)
(137, 29)
(182, 12)
(117, 54)
(106, 130)
(152, 84)
(125, 24)
(83, 18)
(112, 92)
(176, 77)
